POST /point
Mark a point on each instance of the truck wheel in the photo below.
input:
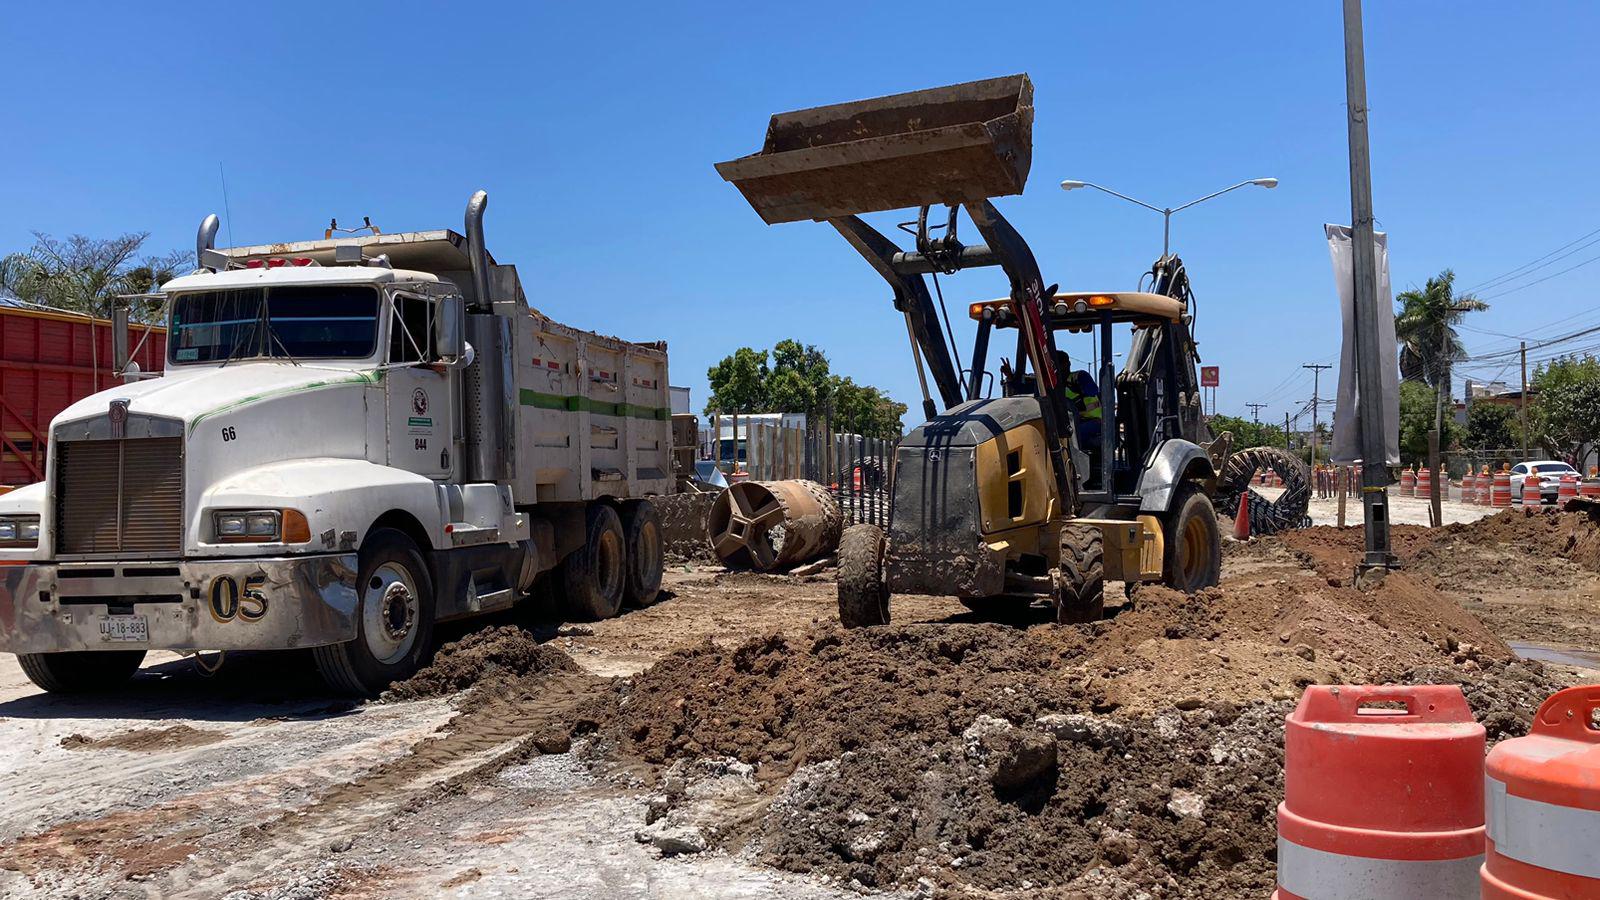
(592, 576)
(641, 533)
(82, 671)
(1080, 578)
(394, 618)
(863, 596)
(1194, 546)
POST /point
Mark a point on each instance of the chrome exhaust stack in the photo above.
(477, 250)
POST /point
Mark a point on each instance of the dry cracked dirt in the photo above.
(732, 741)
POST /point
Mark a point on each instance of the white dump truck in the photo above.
(354, 438)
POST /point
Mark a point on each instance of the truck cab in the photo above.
(352, 440)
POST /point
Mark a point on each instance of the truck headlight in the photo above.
(19, 531)
(261, 526)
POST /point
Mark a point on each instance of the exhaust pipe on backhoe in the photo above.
(944, 146)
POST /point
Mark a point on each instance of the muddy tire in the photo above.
(1194, 543)
(394, 619)
(80, 672)
(641, 535)
(594, 576)
(863, 595)
(1080, 579)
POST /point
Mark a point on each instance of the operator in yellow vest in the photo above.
(1084, 396)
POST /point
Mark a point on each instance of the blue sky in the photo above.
(594, 128)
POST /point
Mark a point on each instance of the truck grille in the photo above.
(119, 496)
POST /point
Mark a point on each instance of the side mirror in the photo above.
(450, 331)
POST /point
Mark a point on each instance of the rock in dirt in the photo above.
(672, 840)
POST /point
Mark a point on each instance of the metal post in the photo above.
(1369, 360)
(1316, 375)
(1286, 444)
(1108, 411)
(1522, 401)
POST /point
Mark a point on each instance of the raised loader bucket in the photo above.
(947, 145)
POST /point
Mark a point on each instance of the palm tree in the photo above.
(87, 274)
(1425, 328)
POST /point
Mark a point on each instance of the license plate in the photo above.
(125, 628)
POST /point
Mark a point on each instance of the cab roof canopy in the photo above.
(1080, 311)
(442, 252)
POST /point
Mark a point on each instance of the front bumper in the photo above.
(222, 604)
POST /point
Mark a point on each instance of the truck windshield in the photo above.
(292, 321)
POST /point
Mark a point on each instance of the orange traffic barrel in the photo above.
(1382, 794)
(1589, 488)
(1568, 488)
(1502, 489)
(1408, 482)
(1424, 482)
(1543, 796)
(1469, 484)
(1532, 495)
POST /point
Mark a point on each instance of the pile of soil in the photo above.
(1531, 532)
(486, 661)
(176, 737)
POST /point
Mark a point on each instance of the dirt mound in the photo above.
(482, 660)
(1533, 532)
(177, 737)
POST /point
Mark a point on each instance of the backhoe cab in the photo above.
(1070, 477)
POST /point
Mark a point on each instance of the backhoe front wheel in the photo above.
(1080, 578)
(863, 595)
(1194, 545)
(394, 618)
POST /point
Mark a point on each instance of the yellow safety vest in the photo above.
(1090, 405)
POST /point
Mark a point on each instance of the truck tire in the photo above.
(1080, 578)
(1194, 544)
(394, 619)
(593, 576)
(641, 534)
(863, 596)
(80, 671)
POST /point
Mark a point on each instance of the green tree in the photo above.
(1491, 426)
(1247, 433)
(1418, 415)
(85, 274)
(798, 379)
(1567, 407)
(1425, 328)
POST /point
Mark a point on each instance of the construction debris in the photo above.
(770, 525)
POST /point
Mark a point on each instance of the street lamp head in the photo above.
(1070, 185)
(1265, 182)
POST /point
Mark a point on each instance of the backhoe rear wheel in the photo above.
(863, 596)
(1080, 578)
(1194, 545)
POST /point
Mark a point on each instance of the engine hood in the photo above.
(190, 395)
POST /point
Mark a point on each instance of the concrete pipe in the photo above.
(767, 525)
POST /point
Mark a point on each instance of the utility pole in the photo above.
(1286, 432)
(1522, 401)
(1369, 359)
(1316, 375)
(1255, 411)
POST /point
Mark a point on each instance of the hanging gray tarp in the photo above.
(1346, 436)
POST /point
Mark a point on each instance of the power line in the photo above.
(1541, 280)
(1525, 266)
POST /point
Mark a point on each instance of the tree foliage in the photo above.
(795, 377)
(1491, 426)
(86, 274)
(1418, 405)
(1247, 433)
(1565, 417)
(1425, 327)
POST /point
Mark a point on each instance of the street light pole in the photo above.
(1166, 212)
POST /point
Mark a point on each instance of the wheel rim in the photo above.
(608, 564)
(389, 613)
(1193, 555)
(649, 552)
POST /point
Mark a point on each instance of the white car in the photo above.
(1549, 472)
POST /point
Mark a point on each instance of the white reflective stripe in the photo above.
(1563, 838)
(1320, 875)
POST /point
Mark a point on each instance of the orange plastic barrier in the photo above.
(1532, 495)
(1408, 482)
(1502, 490)
(1469, 487)
(1568, 488)
(1589, 489)
(1485, 487)
(1381, 801)
(1424, 482)
(1543, 804)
